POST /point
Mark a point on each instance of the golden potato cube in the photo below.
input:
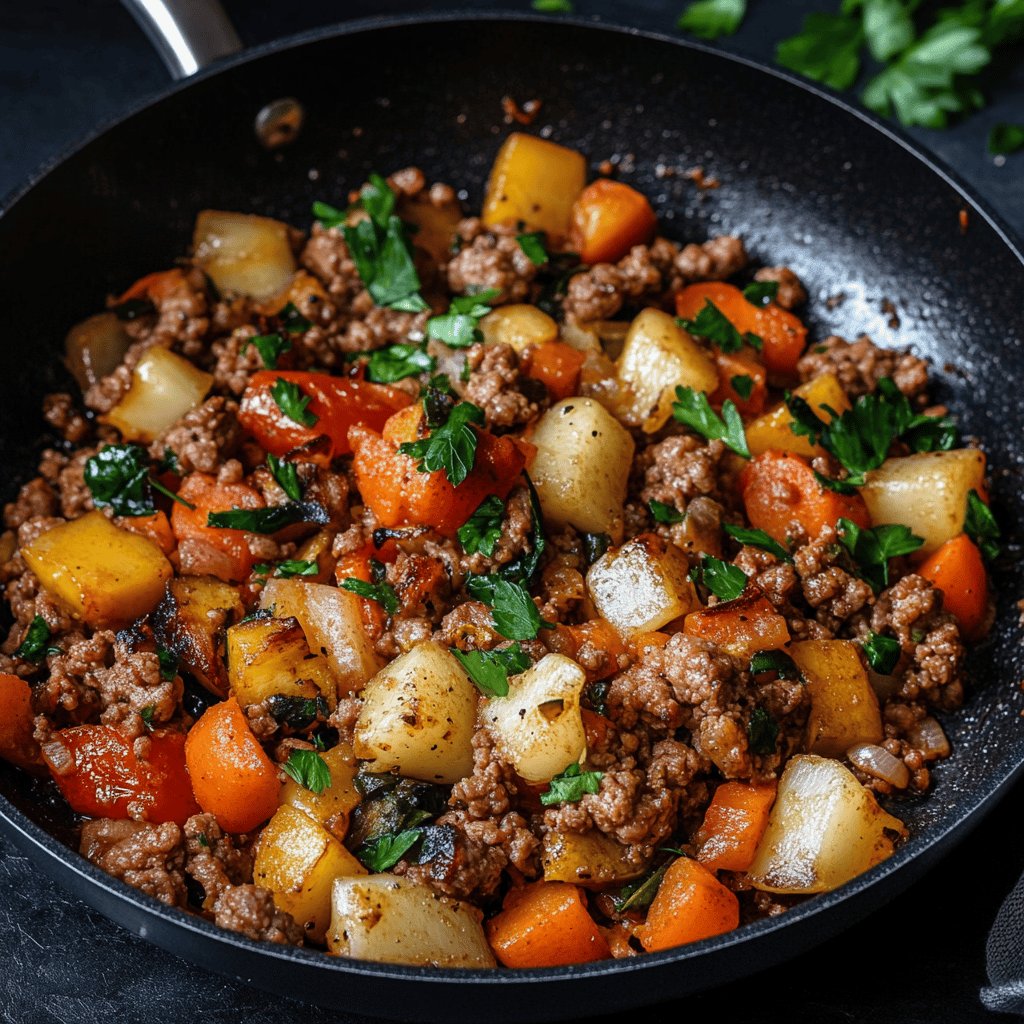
(586, 858)
(771, 431)
(244, 253)
(106, 576)
(332, 807)
(519, 325)
(844, 706)
(536, 182)
(298, 860)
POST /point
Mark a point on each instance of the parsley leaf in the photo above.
(396, 362)
(36, 644)
(534, 248)
(514, 614)
(882, 652)
(778, 662)
(711, 323)
(270, 347)
(827, 49)
(459, 328)
(640, 894)
(761, 293)
(981, 526)
(269, 520)
(451, 447)
(724, 580)
(329, 216)
(168, 663)
(293, 402)
(693, 408)
(662, 513)
(710, 19)
(292, 320)
(308, 769)
(757, 539)
(569, 787)
(287, 476)
(762, 732)
(146, 714)
(1005, 138)
(523, 568)
(118, 477)
(384, 852)
(296, 567)
(383, 593)
(742, 385)
(490, 670)
(872, 549)
(483, 528)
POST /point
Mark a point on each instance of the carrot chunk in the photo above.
(958, 571)
(733, 825)
(608, 219)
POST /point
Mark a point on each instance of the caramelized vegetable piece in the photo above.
(747, 395)
(336, 402)
(332, 807)
(545, 924)
(95, 347)
(106, 576)
(587, 859)
(232, 777)
(156, 528)
(518, 325)
(690, 905)
(557, 366)
(742, 627)
(844, 706)
(244, 253)
(597, 635)
(778, 489)
(534, 182)
(608, 219)
(783, 335)
(772, 430)
(733, 825)
(17, 722)
(100, 774)
(958, 571)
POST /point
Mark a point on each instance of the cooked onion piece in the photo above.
(393, 921)
(244, 253)
(538, 724)
(878, 762)
(94, 348)
(824, 830)
(928, 737)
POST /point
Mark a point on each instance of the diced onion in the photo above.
(94, 348)
(58, 757)
(928, 737)
(879, 763)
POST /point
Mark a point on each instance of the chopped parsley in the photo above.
(270, 347)
(459, 327)
(761, 293)
(287, 476)
(762, 732)
(168, 663)
(380, 591)
(309, 770)
(118, 477)
(872, 549)
(384, 852)
(569, 787)
(490, 670)
(742, 385)
(292, 320)
(269, 520)
(757, 539)
(724, 580)
(640, 894)
(293, 402)
(483, 528)
(711, 19)
(981, 526)
(169, 463)
(450, 447)
(1005, 139)
(329, 216)
(778, 662)
(662, 513)
(146, 714)
(693, 408)
(712, 324)
(827, 49)
(396, 362)
(533, 245)
(296, 567)
(513, 611)
(882, 652)
(36, 644)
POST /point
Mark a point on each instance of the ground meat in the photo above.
(496, 386)
(714, 260)
(60, 411)
(203, 438)
(36, 498)
(904, 610)
(148, 857)
(374, 327)
(862, 364)
(343, 718)
(834, 593)
(212, 859)
(250, 911)
(327, 256)
(75, 496)
(469, 627)
(679, 469)
(236, 360)
(776, 580)
(492, 260)
(791, 293)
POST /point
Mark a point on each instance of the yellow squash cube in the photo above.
(771, 431)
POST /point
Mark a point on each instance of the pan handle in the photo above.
(188, 34)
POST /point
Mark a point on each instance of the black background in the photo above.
(66, 68)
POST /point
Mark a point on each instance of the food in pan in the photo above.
(522, 589)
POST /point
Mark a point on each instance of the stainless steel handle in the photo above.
(188, 34)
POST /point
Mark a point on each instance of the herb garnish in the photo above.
(981, 526)
(36, 644)
(693, 408)
(483, 528)
(287, 476)
(118, 477)
(757, 539)
(534, 248)
(384, 852)
(292, 320)
(297, 712)
(396, 362)
(293, 402)
(490, 670)
(459, 327)
(329, 216)
(513, 611)
(290, 567)
(269, 520)
(724, 580)
(308, 769)
(872, 549)
(742, 385)
(762, 731)
(761, 293)
(774, 661)
(270, 347)
(146, 714)
(523, 568)
(451, 447)
(379, 590)
(882, 652)
(711, 323)
(663, 513)
(710, 19)
(569, 787)
(640, 894)
(1005, 138)
(168, 663)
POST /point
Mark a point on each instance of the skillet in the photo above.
(807, 182)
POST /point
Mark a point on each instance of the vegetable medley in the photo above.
(523, 589)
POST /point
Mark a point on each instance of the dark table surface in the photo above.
(67, 67)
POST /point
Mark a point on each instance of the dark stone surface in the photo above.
(66, 68)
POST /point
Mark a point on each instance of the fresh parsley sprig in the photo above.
(309, 770)
(711, 19)
(882, 652)
(713, 325)
(663, 513)
(379, 590)
(287, 476)
(570, 785)
(269, 520)
(743, 385)
(459, 327)
(513, 611)
(293, 402)
(119, 477)
(761, 293)
(482, 530)
(778, 662)
(450, 447)
(36, 644)
(872, 549)
(726, 581)
(270, 347)
(384, 852)
(490, 670)
(981, 526)
(288, 569)
(534, 246)
(693, 408)
(396, 362)
(757, 539)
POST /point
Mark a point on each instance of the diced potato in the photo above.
(106, 576)
(824, 830)
(535, 182)
(657, 358)
(643, 585)
(520, 326)
(332, 807)
(418, 716)
(191, 621)
(270, 656)
(298, 861)
(538, 724)
(244, 253)
(581, 469)
(844, 706)
(95, 347)
(394, 921)
(586, 858)
(742, 627)
(332, 620)
(164, 387)
(771, 431)
(927, 492)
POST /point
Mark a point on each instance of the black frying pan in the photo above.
(807, 181)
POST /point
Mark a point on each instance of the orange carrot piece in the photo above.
(545, 924)
(157, 285)
(783, 334)
(958, 571)
(356, 565)
(232, 776)
(608, 219)
(599, 635)
(690, 905)
(557, 366)
(733, 825)
(732, 365)
(638, 641)
(743, 627)
(778, 488)
(157, 527)
(16, 722)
